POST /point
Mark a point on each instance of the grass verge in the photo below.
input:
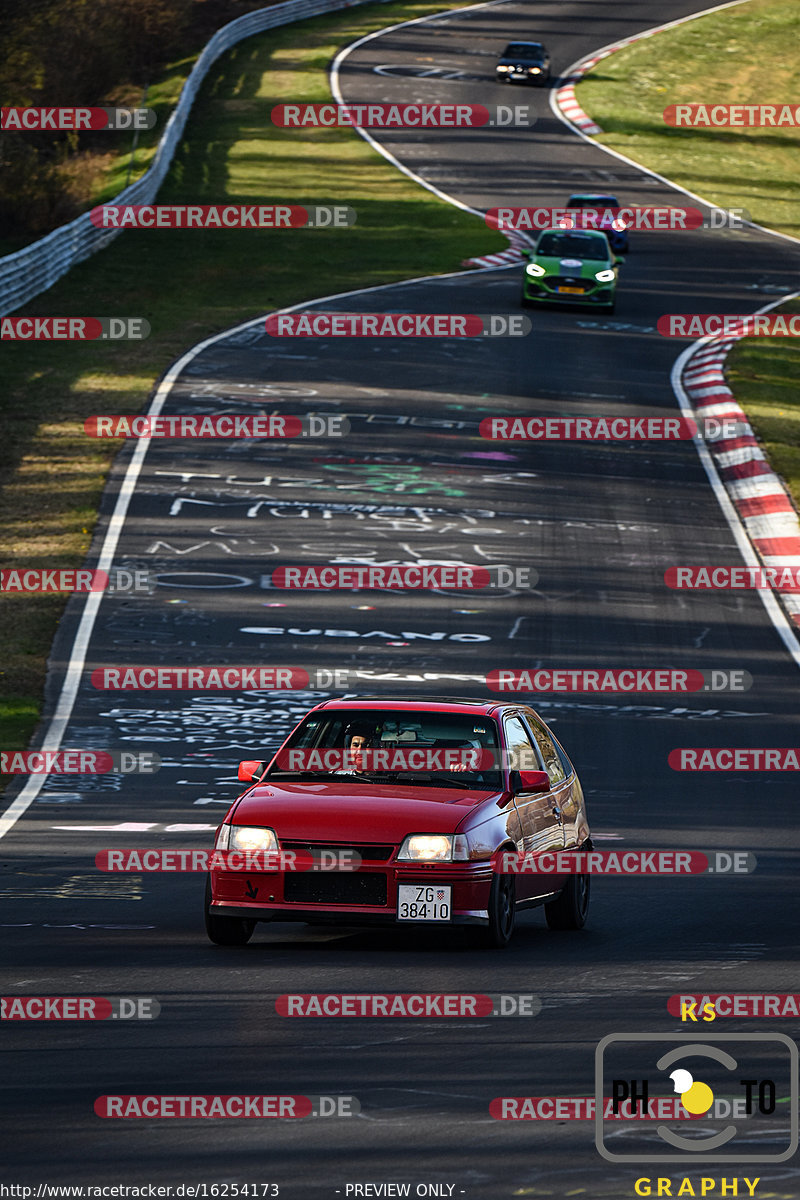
(191, 284)
(764, 375)
(108, 162)
(744, 55)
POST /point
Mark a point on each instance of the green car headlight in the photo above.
(604, 276)
(535, 269)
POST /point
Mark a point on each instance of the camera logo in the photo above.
(696, 1098)
(723, 1082)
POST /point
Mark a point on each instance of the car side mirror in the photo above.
(530, 781)
(249, 770)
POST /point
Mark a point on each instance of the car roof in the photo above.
(452, 704)
(529, 45)
(568, 232)
(593, 196)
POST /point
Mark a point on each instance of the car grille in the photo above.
(366, 852)
(556, 281)
(335, 887)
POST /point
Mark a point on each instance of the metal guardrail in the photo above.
(38, 266)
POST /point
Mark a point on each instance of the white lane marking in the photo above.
(77, 661)
(774, 611)
(776, 614)
(632, 161)
(133, 827)
(376, 145)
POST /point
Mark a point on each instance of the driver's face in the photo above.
(357, 741)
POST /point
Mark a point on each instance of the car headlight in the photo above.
(618, 224)
(246, 837)
(504, 68)
(434, 847)
(604, 276)
(534, 70)
(535, 269)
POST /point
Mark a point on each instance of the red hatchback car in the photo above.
(417, 796)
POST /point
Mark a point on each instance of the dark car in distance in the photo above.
(475, 779)
(608, 221)
(524, 62)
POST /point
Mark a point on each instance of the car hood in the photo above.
(518, 61)
(340, 811)
(583, 270)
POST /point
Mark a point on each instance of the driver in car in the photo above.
(357, 738)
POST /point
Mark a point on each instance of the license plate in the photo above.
(420, 902)
(571, 290)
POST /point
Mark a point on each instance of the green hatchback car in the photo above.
(571, 266)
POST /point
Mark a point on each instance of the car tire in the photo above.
(609, 308)
(502, 912)
(570, 909)
(226, 931)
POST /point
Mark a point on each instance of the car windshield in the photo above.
(573, 245)
(593, 202)
(409, 747)
(528, 50)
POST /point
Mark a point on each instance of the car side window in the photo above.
(522, 755)
(553, 762)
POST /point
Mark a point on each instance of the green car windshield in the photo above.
(573, 245)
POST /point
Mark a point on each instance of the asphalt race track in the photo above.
(414, 481)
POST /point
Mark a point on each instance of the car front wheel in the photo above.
(570, 909)
(502, 911)
(226, 931)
